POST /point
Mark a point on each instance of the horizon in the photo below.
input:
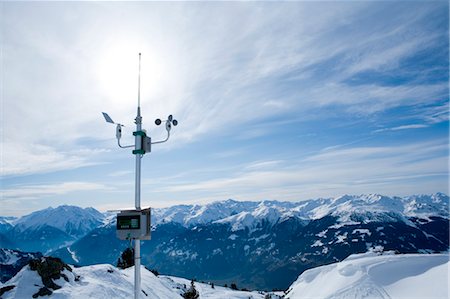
(274, 100)
(225, 200)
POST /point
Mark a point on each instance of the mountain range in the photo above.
(262, 245)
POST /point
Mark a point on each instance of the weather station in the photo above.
(136, 224)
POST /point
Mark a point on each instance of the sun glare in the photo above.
(117, 71)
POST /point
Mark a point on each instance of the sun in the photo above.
(117, 71)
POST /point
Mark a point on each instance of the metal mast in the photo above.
(137, 197)
(142, 145)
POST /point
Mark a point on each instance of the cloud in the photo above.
(217, 68)
(264, 164)
(21, 159)
(121, 173)
(404, 127)
(435, 114)
(27, 192)
(369, 98)
(393, 169)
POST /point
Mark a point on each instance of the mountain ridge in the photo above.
(270, 242)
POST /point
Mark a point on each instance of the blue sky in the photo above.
(284, 101)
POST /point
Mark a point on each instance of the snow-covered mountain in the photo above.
(49, 229)
(265, 245)
(72, 220)
(262, 245)
(249, 214)
(377, 276)
(106, 281)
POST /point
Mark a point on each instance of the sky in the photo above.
(275, 101)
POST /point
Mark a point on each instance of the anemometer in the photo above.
(146, 141)
(136, 224)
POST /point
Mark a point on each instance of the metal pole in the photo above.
(137, 199)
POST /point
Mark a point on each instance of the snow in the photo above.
(106, 281)
(341, 238)
(73, 220)
(109, 219)
(8, 256)
(322, 233)
(191, 215)
(207, 292)
(8, 220)
(25, 284)
(423, 206)
(73, 255)
(233, 237)
(318, 243)
(377, 207)
(411, 287)
(246, 214)
(240, 221)
(98, 281)
(371, 275)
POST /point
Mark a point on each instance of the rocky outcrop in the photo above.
(49, 268)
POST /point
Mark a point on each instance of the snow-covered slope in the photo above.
(98, 281)
(106, 281)
(206, 291)
(74, 221)
(370, 275)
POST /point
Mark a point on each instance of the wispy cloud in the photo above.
(26, 192)
(248, 76)
(120, 173)
(227, 78)
(404, 127)
(263, 164)
(339, 171)
(18, 159)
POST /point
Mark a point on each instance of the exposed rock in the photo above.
(42, 292)
(127, 259)
(49, 268)
(6, 289)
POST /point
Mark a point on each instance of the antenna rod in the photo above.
(139, 82)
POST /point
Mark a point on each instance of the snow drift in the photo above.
(370, 275)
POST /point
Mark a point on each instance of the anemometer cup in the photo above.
(169, 122)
